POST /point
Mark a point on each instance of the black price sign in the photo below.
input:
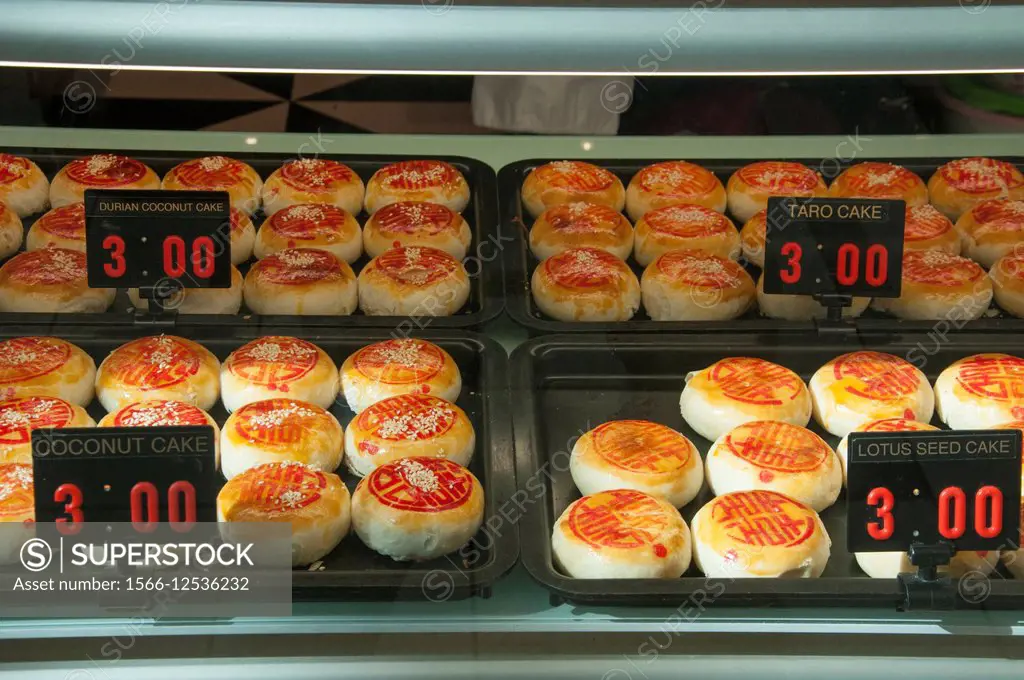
(925, 487)
(834, 246)
(143, 239)
(125, 474)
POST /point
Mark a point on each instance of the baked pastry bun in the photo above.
(310, 225)
(991, 230)
(691, 285)
(638, 455)
(571, 182)
(278, 366)
(873, 179)
(11, 231)
(890, 564)
(100, 171)
(46, 367)
(415, 281)
(925, 228)
(884, 425)
(801, 307)
(860, 387)
(280, 430)
(20, 415)
(981, 391)
(753, 236)
(959, 185)
(759, 534)
(417, 223)
(313, 180)
(936, 286)
(162, 413)
(17, 505)
(399, 366)
(417, 508)
(1008, 283)
(406, 426)
(59, 228)
(23, 186)
(673, 183)
(243, 237)
(218, 173)
(316, 504)
(585, 284)
(751, 186)
(621, 533)
(200, 300)
(50, 280)
(776, 456)
(689, 227)
(581, 225)
(420, 180)
(739, 390)
(301, 281)
(164, 367)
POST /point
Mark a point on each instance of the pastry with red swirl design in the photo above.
(159, 367)
(925, 228)
(18, 508)
(301, 281)
(581, 225)
(991, 230)
(981, 391)
(751, 186)
(311, 225)
(278, 366)
(100, 171)
(23, 186)
(571, 182)
(50, 280)
(937, 285)
(873, 179)
(59, 228)
(46, 367)
(399, 366)
(417, 223)
(1008, 284)
(413, 281)
(673, 183)
(417, 180)
(20, 415)
(692, 285)
(313, 180)
(959, 185)
(684, 227)
(218, 173)
(585, 284)
(11, 231)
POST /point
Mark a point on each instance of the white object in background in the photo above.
(557, 105)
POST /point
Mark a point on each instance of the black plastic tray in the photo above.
(564, 385)
(520, 261)
(484, 265)
(353, 571)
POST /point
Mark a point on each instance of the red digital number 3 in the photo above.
(882, 500)
(794, 252)
(71, 496)
(116, 267)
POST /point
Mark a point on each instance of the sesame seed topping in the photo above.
(418, 475)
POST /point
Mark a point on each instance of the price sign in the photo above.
(930, 486)
(125, 474)
(139, 239)
(834, 246)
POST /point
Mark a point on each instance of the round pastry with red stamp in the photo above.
(883, 425)
(937, 285)
(673, 183)
(693, 285)
(278, 366)
(279, 430)
(50, 280)
(1008, 283)
(992, 230)
(218, 173)
(621, 533)
(801, 307)
(316, 504)
(889, 565)
(303, 281)
(416, 509)
(581, 225)
(11, 231)
(311, 225)
(17, 505)
(406, 426)
(243, 237)
(689, 227)
(981, 391)
(313, 180)
(23, 186)
(751, 186)
(925, 228)
(959, 185)
(585, 284)
(739, 390)
(399, 366)
(20, 415)
(752, 238)
(861, 387)
(417, 223)
(776, 456)
(571, 182)
(413, 281)
(100, 171)
(198, 300)
(418, 180)
(759, 534)
(46, 367)
(873, 179)
(638, 455)
(162, 413)
(59, 228)
(159, 367)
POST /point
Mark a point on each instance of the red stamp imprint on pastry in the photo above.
(414, 217)
(620, 519)
(16, 492)
(999, 210)
(755, 381)
(239, 221)
(779, 177)
(421, 484)
(698, 269)
(642, 446)
(48, 267)
(273, 361)
(763, 518)
(936, 268)
(416, 175)
(308, 222)
(210, 172)
(277, 422)
(575, 175)
(777, 446)
(160, 413)
(408, 417)
(153, 363)
(18, 417)
(677, 178)
(66, 222)
(981, 175)
(878, 180)
(584, 218)
(923, 222)
(399, 361)
(876, 375)
(688, 221)
(416, 265)
(993, 376)
(282, 487)
(315, 174)
(584, 268)
(23, 359)
(106, 170)
(13, 168)
(300, 266)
